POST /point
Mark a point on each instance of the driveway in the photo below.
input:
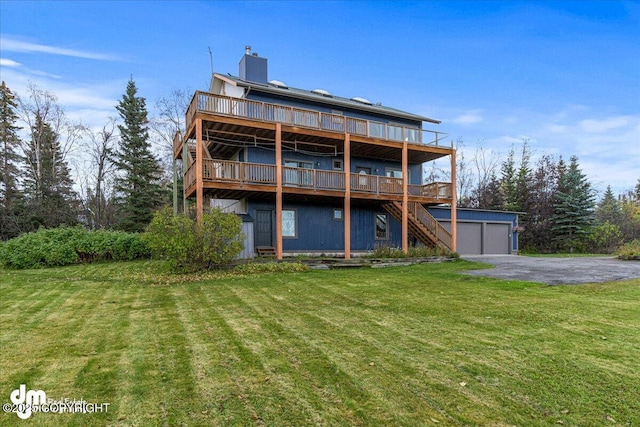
(556, 271)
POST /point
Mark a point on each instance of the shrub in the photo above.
(70, 245)
(413, 252)
(605, 238)
(630, 251)
(189, 246)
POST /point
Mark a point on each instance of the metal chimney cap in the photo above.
(247, 50)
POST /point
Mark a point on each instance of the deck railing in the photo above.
(434, 190)
(242, 173)
(268, 112)
(441, 234)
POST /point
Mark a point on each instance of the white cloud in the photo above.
(607, 144)
(89, 102)
(4, 62)
(468, 118)
(10, 63)
(12, 45)
(604, 125)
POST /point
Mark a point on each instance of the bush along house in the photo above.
(311, 172)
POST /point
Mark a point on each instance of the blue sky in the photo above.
(563, 75)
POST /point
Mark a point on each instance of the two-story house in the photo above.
(315, 172)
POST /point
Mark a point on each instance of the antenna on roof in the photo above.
(211, 59)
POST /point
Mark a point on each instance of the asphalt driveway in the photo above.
(556, 271)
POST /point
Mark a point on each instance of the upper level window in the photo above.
(337, 165)
(394, 173)
(298, 173)
(412, 135)
(394, 132)
(376, 130)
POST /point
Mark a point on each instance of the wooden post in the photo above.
(405, 198)
(278, 191)
(175, 187)
(199, 167)
(185, 166)
(454, 203)
(347, 196)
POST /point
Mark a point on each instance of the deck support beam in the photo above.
(405, 198)
(454, 204)
(347, 196)
(185, 166)
(175, 187)
(199, 184)
(278, 191)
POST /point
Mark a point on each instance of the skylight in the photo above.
(362, 100)
(322, 92)
(279, 84)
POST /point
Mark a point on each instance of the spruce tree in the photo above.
(508, 182)
(11, 200)
(573, 208)
(137, 184)
(609, 209)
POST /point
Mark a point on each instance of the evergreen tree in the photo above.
(523, 181)
(508, 181)
(489, 196)
(609, 210)
(48, 184)
(11, 200)
(573, 208)
(137, 185)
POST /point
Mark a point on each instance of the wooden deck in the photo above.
(257, 111)
(234, 176)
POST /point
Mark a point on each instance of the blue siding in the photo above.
(475, 215)
(318, 231)
(257, 155)
(326, 108)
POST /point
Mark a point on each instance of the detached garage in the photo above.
(482, 232)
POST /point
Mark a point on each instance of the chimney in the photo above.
(252, 67)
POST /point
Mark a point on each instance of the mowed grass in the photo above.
(404, 346)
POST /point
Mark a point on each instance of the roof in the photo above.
(478, 210)
(318, 96)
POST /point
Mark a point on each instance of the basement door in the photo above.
(263, 228)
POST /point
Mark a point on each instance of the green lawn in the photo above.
(411, 346)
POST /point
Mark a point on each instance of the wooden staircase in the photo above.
(421, 224)
(192, 152)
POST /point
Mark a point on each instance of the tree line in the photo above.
(119, 180)
(559, 208)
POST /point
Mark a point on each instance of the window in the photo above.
(289, 223)
(337, 165)
(337, 214)
(382, 226)
(298, 173)
(412, 135)
(393, 173)
(394, 132)
(376, 130)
